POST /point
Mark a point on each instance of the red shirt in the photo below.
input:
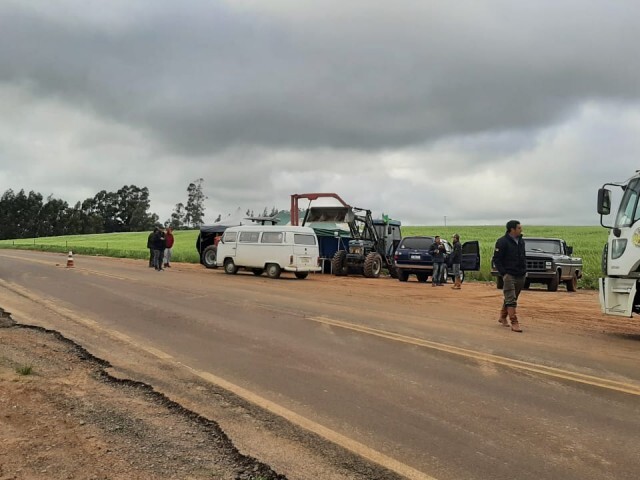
(169, 239)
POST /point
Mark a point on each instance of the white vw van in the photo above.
(269, 248)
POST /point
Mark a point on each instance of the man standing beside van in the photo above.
(456, 259)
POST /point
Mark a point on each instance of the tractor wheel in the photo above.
(339, 263)
(402, 275)
(372, 265)
(230, 267)
(422, 277)
(302, 275)
(552, 286)
(499, 283)
(572, 285)
(273, 270)
(209, 256)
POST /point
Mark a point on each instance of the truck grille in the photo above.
(536, 265)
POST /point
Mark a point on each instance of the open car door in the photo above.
(470, 256)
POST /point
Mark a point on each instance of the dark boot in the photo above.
(503, 317)
(457, 285)
(513, 317)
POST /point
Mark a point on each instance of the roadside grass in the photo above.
(24, 370)
(587, 243)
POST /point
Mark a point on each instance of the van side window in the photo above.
(301, 239)
(249, 237)
(230, 237)
(272, 237)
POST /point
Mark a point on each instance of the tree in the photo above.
(219, 217)
(195, 204)
(177, 217)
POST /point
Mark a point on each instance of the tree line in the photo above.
(31, 215)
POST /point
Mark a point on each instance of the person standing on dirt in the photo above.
(158, 248)
(456, 259)
(509, 259)
(150, 246)
(168, 247)
(438, 253)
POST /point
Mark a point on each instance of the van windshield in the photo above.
(300, 239)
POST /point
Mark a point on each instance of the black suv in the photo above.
(412, 258)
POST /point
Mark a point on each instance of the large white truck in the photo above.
(621, 255)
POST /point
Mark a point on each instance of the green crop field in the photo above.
(587, 243)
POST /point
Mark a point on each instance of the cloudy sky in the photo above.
(478, 110)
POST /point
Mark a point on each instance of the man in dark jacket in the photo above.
(438, 253)
(510, 261)
(150, 246)
(159, 245)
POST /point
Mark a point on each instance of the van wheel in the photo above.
(572, 285)
(302, 275)
(499, 283)
(230, 267)
(209, 256)
(257, 271)
(552, 286)
(273, 270)
(372, 265)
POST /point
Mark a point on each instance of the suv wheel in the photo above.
(402, 275)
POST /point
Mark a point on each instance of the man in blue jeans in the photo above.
(438, 253)
(510, 261)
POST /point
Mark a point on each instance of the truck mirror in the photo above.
(569, 250)
(604, 201)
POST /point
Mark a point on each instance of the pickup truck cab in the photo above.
(549, 261)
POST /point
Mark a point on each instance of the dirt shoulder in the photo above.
(69, 419)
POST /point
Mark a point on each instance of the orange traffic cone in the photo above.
(70, 260)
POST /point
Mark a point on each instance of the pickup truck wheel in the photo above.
(552, 286)
(402, 275)
(230, 267)
(499, 283)
(422, 277)
(339, 263)
(372, 265)
(302, 275)
(527, 284)
(572, 285)
(209, 256)
(273, 270)
(257, 271)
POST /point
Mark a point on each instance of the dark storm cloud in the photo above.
(204, 77)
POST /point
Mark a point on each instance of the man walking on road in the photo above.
(509, 259)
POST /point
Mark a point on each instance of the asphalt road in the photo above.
(421, 381)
